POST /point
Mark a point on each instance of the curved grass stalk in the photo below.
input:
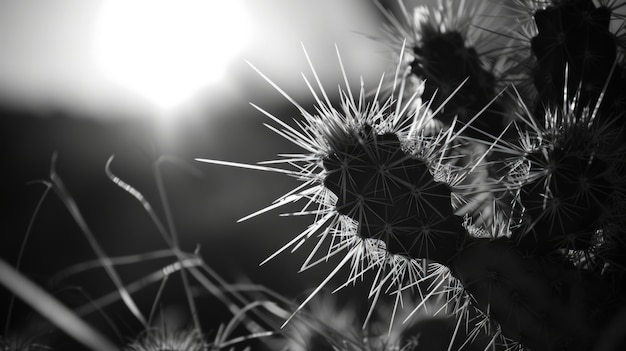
(70, 204)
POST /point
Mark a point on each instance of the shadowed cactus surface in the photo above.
(393, 197)
(573, 36)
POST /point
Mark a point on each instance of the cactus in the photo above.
(543, 266)
(444, 51)
(541, 304)
(575, 34)
(573, 181)
(393, 197)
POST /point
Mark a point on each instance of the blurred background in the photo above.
(145, 79)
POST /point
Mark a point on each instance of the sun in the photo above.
(165, 51)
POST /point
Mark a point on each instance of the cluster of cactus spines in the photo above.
(165, 339)
(575, 37)
(444, 52)
(393, 196)
(379, 188)
(451, 57)
(573, 181)
(546, 271)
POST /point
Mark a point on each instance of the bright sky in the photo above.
(169, 52)
(126, 57)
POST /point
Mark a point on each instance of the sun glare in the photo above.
(165, 51)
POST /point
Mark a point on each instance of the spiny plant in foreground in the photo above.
(380, 188)
(444, 50)
(385, 202)
(570, 183)
(579, 45)
(545, 273)
(452, 47)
